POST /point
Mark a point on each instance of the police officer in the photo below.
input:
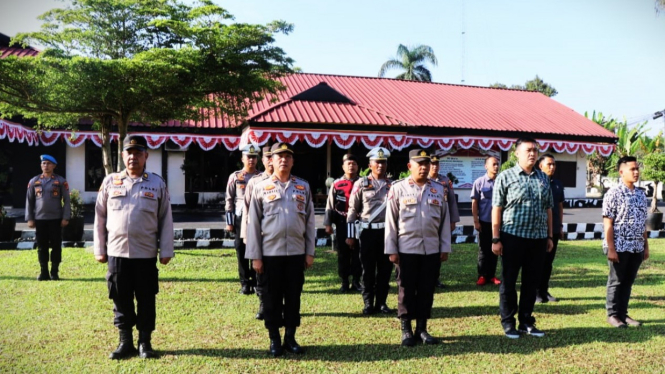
(417, 241)
(235, 197)
(450, 195)
(267, 165)
(280, 242)
(47, 210)
(348, 260)
(367, 205)
(133, 224)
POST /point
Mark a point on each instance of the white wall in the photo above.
(176, 179)
(579, 192)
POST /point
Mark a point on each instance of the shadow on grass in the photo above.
(451, 346)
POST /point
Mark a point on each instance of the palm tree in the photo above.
(412, 61)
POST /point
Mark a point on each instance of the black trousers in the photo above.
(281, 283)
(544, 285)
(48, 233)
(486, 259)
(246, 273)
(130, 278)
(620, 283)
(527, 255)
(376, 266)
(417, 275)
(348, 260)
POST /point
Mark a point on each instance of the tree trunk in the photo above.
(654, 201)
(122, 133)
(107, 158)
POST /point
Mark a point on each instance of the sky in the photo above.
(601, 55)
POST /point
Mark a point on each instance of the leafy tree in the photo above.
(412, 62)
(147, 61)
(654, 170)
(535, 84)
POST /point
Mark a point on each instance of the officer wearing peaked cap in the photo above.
(366, 222)
(267, 164)
(417, 240)
(235, 203)
(348, 259)
(280, 242)
(47, 210)
(449, 194)
(133, 225)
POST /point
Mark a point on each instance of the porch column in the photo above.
(328, 159)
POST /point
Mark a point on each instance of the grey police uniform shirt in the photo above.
(133, 219)
(417, 219)
(247, 197)
(47, 198)
(281, 219)
(365, 198)
(450, 197)
(235, 193)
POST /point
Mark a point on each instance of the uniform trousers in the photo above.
(48, 233)
(348, 260)
(130, 278)
(417, 275)
(544, 285)
(376, 265)
(246, 273)
(620, 282)
(527, 255)
(486, 259)
(281, 283)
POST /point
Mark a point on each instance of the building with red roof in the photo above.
(325, 116)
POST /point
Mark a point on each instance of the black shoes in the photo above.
(369, 307)
(259, 314)
(407, 334)
(616, 322)
(421, 332)
(383, 308)
(276, 349)
(355, 286)
(439, 284)
(511, 333)
(345, 288)
(126, 347)
(290, 343)
(631, 322)
(43, 274)
(54, 272)
(145, 348)
(530, 330)
(545, 298)
(246, 289)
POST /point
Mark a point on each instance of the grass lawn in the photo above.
(204, 325)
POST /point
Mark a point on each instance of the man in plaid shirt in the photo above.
(521, 235)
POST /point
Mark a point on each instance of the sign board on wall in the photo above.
(466, 165)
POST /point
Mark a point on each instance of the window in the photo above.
(208, 171)
(566, 172)
(94, 167)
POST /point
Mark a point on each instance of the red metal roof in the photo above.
(323, 112)
(19, 52)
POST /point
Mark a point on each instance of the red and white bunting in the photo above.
(445, 144)
(371, 141)
(399, 142)
(231, 143)
(155, 141)
(75, 139)
(287, 137)
(344, 141)
(48, 138)
(182, 140)
(316, 140)
(207, 142)
(424, 142)
(465, 143)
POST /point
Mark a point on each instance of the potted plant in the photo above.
(190, 169)
(73, 232)
(654, 170)
(7, 226)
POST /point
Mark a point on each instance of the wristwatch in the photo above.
(496, 240)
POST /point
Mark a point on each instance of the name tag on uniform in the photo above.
(435, 202)
(409, 201)
(118, 192)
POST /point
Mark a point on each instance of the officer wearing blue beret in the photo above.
(47, 210)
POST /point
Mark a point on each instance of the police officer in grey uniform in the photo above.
(280, 243)
(235, 202)
(267, 165)
(47, 210)
(367, 205)
(348, 259)
(133, 224)
(450, 195)
(417, 241)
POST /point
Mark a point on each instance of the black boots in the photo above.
(145, 348)
(259, 314)
(290, 343)
(369, 306)
(356, 286)
(54, 271)
(43, 274)
(125, 348)
(407, 334)
(275, 342)
(421, 332)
